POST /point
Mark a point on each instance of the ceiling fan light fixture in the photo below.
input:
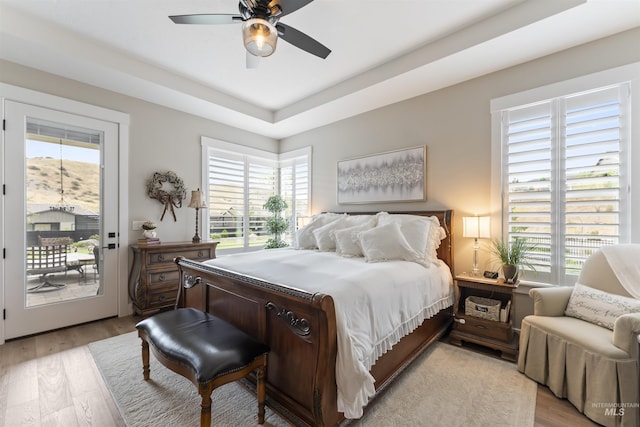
(259, 36)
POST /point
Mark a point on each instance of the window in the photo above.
(565, 177)
(295, 185)
(239, 180)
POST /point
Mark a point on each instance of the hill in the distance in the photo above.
(81, 182)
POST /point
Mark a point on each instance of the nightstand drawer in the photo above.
(486, 328)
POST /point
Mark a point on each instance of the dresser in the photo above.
(154, 280)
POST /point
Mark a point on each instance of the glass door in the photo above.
(61, 205)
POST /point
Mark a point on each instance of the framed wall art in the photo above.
(394, 176)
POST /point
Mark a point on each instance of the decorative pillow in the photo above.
(599, 307)
(304, 236)
(386, 243)
(347, 244)
(324, 236)
(416, 230)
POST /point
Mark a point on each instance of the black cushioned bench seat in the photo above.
(205, 349)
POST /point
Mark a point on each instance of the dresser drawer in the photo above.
(486, 328)
(163, 298)
(156, 258)
(163, 278)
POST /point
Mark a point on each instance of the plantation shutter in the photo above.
(593, 185)
(226, 198)
(262, 183)
(294, 187)
(529, 179)
(563, 177)
(287, 182)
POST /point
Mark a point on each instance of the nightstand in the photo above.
(154, 281)
(495, 334)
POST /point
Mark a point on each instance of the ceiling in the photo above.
(382, 51)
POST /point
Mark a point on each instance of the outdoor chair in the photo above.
(45, 260)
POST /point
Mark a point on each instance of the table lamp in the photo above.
(197, 202)
(476, 227)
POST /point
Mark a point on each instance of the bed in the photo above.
(297, 317)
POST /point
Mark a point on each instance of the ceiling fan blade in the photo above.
(252, 61)
(206, 19)
(302, 41)
(290, 6)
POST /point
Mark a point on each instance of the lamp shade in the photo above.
(259, 37)
(197, 199)
(477, 227)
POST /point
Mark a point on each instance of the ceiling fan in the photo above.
(261, 27)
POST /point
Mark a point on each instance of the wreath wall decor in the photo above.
(168, 189)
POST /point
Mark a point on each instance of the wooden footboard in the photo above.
(300, 328)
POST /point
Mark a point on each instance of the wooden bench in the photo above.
(204, 349)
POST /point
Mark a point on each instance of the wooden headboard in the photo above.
(445, 251)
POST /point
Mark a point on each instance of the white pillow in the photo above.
(324, 236)
(347, 244)
(416, 230)
(599, 307)
(386, 243)
(304, 236)
(361, 219)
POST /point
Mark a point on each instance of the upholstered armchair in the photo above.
(582, 341)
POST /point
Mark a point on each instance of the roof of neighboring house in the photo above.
(35, 208)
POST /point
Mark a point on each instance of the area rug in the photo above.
(446, 386)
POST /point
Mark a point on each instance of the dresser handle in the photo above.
(161, 277)
(160, 257)
(200, 254)
(481, 327)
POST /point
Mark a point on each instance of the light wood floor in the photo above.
(51, 380)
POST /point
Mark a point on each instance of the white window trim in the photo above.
(627, 73)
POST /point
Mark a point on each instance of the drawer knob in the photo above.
(160, 257)
(161, 277)
(200, 254)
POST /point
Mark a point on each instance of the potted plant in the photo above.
(276, 225)
(513, 256)
(149, 229)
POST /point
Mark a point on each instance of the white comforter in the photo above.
(376, 304)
